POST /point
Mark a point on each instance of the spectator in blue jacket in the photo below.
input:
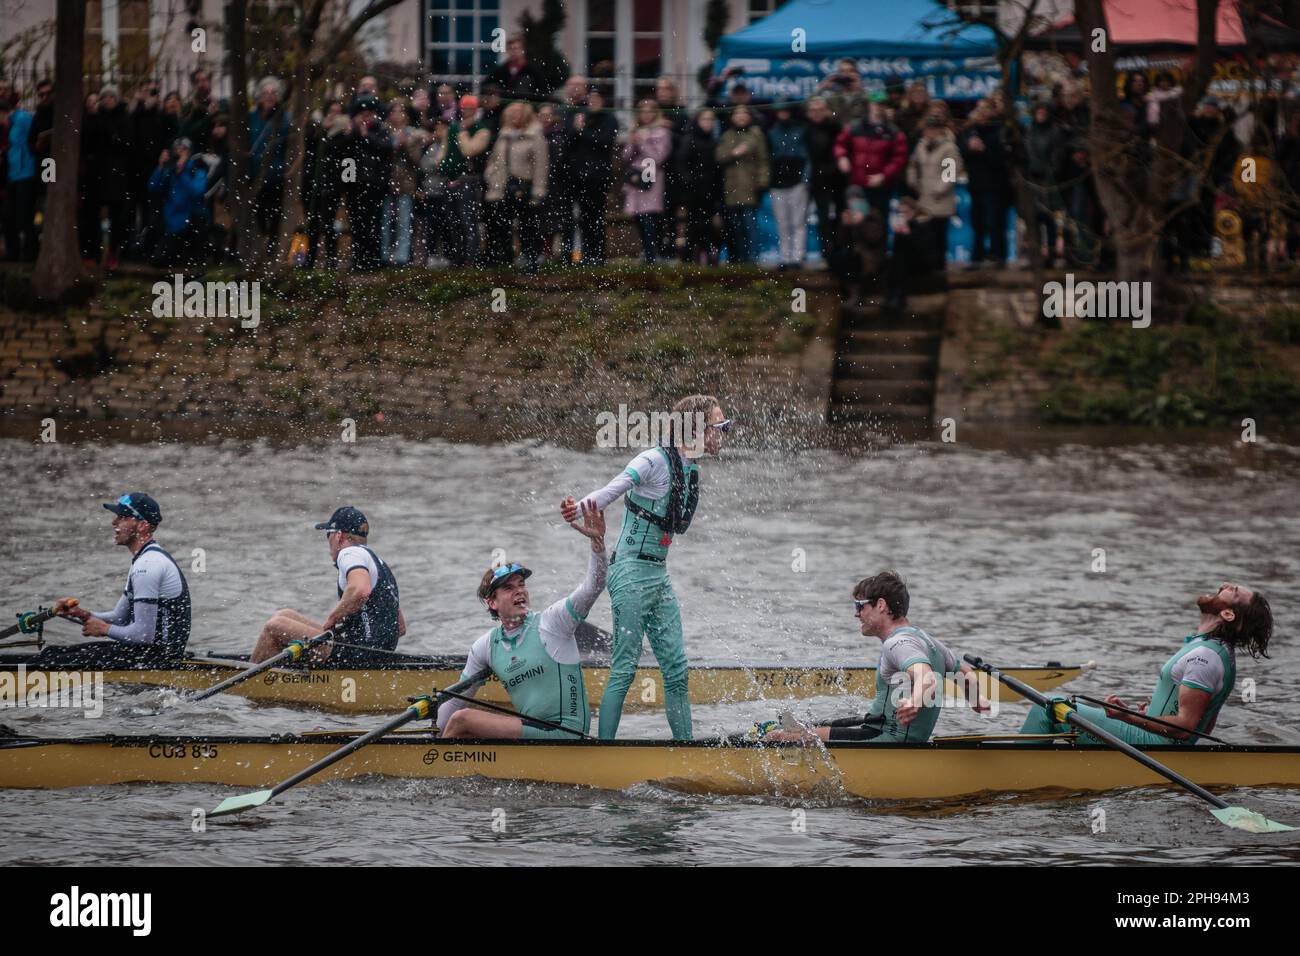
(789, 185)
(182, 182)
(19, 213)
(268, 140)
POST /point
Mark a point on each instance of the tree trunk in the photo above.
(58, 267)
(292, 216)
(248, 245)
(1133, 187)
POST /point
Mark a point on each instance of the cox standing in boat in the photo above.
(534, 654)
(909, 688)
(661, 486)
(150, 625)
(1194, 683)
(367, 620)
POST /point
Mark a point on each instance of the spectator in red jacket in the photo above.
(872, 153)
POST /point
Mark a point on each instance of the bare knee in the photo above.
(455, 725)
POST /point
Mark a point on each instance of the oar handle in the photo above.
(30, 622)
(293, 652)
(534, 721)
(1070, 715)
(419, 710)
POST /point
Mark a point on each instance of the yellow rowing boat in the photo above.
(939, 769)
(385, 690)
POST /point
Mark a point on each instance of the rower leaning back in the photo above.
(1194, 683)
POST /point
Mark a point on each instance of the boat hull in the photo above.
(382, 691)
(936, 770)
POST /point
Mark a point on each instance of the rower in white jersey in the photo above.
(150, 625)
(534, 655)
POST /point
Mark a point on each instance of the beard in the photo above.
(1212, 604)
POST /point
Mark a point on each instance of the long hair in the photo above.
(1250, 628)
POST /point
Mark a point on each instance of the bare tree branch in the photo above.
(344, 37)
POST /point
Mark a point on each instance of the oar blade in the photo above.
(245, 801)
(1239, 818)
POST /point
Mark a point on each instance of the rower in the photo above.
(367, 620)
(1194, 683)
(912, 664)
(662, 489)
(534, 655)
(150, 625)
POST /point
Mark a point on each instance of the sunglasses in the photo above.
(723, 426)
(859, 605)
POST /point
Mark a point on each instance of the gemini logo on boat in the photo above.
(76, 909)
(637, 429)
(53, 689)
(208, 300)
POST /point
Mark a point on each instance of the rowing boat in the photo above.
(940, 769)
(387, 689)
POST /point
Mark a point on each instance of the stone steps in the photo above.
(886, 362)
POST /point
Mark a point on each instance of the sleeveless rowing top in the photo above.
(172, 631)
(1164, 699)
(882, 712)
(537, 685)
(375, 625)
(650, 525)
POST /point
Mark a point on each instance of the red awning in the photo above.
(1151, 22)
(1168, 24)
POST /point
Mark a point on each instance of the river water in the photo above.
(997, 539)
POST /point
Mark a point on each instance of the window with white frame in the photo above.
(458, 39)
(624, 47)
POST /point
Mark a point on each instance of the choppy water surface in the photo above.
(997, 546)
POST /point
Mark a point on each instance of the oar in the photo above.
(29, 622)
(1239, 817)
(533, 721)
(292, 652)
(1154, 720)
(418, 710)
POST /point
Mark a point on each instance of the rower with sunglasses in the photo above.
(912, 663)
(534, 654)
(150, 625)
(662, 489)
(367, 621)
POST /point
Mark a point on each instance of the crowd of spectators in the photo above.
(437, 177)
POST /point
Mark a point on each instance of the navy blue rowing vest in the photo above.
(375, 625)
(173, 630)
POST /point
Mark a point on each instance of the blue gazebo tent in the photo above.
(785, 55)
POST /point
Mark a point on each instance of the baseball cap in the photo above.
(347, 519)
(365, 103)
(134, 504)
(503, 574)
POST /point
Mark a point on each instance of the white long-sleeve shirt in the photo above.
(558, 629)
(134, 620)
(647, 472)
